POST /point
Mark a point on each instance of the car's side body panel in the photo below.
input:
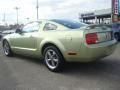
(71, 43)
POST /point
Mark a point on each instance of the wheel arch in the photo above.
(48, 44)
(4, 41)
(6, 38)
(57, 44)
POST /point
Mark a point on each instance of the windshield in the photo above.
(69, 24)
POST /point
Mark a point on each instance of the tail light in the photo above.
(91, 38)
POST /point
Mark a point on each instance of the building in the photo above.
(98, 16)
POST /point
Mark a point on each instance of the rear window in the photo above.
(70, 24)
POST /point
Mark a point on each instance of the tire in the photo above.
(117, 37)
(53, 59)
(7, 49)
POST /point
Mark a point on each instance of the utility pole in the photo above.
(17, 8)
(37, 7)
(4, 17)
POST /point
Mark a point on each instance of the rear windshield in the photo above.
(70, 24)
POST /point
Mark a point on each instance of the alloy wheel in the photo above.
(6, 48)
(51, 59)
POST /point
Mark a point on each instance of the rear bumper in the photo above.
(88, 54)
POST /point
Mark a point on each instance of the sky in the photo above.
(48, 9)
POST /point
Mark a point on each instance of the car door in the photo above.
(26, 41)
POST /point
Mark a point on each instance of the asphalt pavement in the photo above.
(23, 73)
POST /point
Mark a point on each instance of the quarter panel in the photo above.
(66, 41)
(55, 42)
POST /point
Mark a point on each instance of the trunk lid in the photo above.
(98, 33)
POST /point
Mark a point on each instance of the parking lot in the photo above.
(23, 73)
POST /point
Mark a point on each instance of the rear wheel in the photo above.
(7, 49)
(53, 59)
(117, 36)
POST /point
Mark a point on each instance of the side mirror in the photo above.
(18, 31)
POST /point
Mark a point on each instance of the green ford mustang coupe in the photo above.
(57, 41)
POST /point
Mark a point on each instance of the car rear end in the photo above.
(98, 43)
(116, 30)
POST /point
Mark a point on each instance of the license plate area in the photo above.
(104, 36)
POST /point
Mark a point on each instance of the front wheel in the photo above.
(53, 59)
(6, 48)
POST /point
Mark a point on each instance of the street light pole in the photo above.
(37, 7)
(4, 17)
(17, 13)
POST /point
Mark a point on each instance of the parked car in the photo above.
(6, 32)
(116, 30)
(59, 41)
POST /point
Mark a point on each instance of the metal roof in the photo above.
(96, 13)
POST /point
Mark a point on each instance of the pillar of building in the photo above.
(102, 20)
(95, 19)
(99, 21)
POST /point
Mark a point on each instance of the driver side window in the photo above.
(31, 27)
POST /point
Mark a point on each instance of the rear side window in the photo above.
(69, 23)
(49, 26)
